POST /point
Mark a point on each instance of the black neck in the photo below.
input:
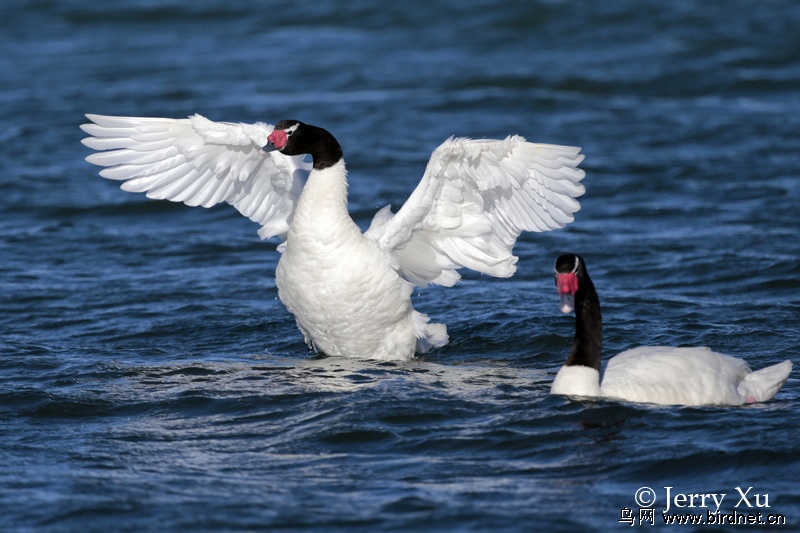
(587, 348)
(325, 149)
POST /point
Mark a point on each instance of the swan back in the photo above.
(675, 376)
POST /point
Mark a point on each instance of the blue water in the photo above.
(151, 380)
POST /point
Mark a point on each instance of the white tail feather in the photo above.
(763, 384)
(435, 337)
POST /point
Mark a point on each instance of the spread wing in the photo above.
(200, 162)
(474, 200)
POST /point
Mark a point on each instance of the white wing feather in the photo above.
(200, 162)
(474, 200)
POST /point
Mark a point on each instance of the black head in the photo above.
(281, 138)
(570, 273)
(569, 263)
(292, 137)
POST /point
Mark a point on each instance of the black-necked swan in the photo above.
(649, 374)
(350, 291)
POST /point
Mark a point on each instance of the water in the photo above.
(152, 381)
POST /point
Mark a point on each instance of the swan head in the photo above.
(292, 137)
(280, 137)
(567, 269)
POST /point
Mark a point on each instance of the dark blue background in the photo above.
(150, 379)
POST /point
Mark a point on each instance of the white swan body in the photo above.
(667, 375)
(350, 292)
(650, 374)
(330, 269)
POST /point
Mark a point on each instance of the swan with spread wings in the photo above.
(349, 291)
